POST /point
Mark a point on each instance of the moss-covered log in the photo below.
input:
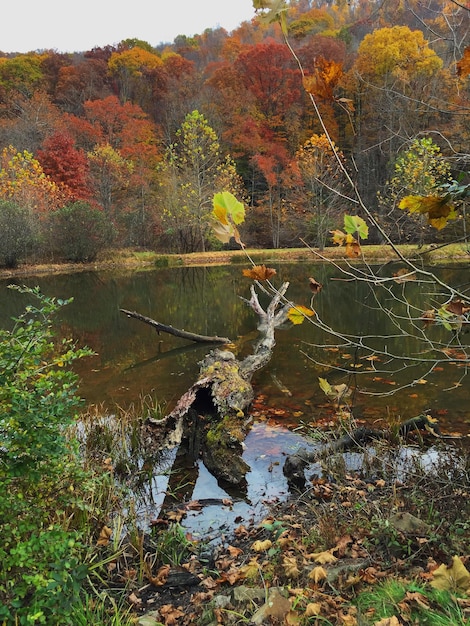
(211, 420)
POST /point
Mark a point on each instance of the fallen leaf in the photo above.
(262, 546)
(312, 608)
(170, 614)
(318, 574)
(388, 621)
(291, 569)
(453, 578)
(161, 577)
(135, 600)
(105, 536)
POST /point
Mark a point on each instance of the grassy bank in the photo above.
(133, 259)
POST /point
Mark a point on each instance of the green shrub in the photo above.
(78, 232)
(41, 556)
(17, 233)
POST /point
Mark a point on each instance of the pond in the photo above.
(133, 362)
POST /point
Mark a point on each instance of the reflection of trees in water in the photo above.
(207, 300)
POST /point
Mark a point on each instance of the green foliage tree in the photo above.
(78, 232)
(419, 170)
(17, 233)
(193, 170)
(322, 189)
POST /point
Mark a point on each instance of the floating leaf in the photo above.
(325, 386)
(259, 272)
(453, 578)
(297, 314)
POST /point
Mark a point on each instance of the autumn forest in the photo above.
(126, 145)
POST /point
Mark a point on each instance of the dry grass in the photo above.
(131, 259)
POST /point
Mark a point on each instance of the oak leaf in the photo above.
(259, 272)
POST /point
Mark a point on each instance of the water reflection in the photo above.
(132, 360)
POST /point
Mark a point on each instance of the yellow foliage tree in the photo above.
(23, 181)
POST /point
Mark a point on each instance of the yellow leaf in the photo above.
(325, 386)
(317, 574)
(298, 313)
(290, 567)
(324, 557)
(262, 546)
(220, 213)
(338, 237)
(251, 569)
(453, 578)
(312, 608)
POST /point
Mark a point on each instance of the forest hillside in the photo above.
(126, 145)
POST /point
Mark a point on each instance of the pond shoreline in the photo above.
(129, 259)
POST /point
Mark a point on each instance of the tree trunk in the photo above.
(211, 420)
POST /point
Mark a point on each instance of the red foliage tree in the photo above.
(65, 165)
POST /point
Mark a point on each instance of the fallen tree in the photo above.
(211, 420)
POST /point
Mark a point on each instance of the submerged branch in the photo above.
(183, 334)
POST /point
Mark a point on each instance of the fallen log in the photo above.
(295, 464)
(211, 420)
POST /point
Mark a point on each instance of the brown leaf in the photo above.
(404, 275)
(388, 621)
(315, 287)
(161, 577)
(170, 614)
(455, 577)
(259, 272)
(104, 537)
(457, 307)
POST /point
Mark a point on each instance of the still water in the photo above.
(133, 362)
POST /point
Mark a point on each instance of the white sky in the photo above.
(80, 25)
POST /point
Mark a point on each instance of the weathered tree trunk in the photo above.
(211, 420)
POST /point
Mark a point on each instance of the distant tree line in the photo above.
(126, 145)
